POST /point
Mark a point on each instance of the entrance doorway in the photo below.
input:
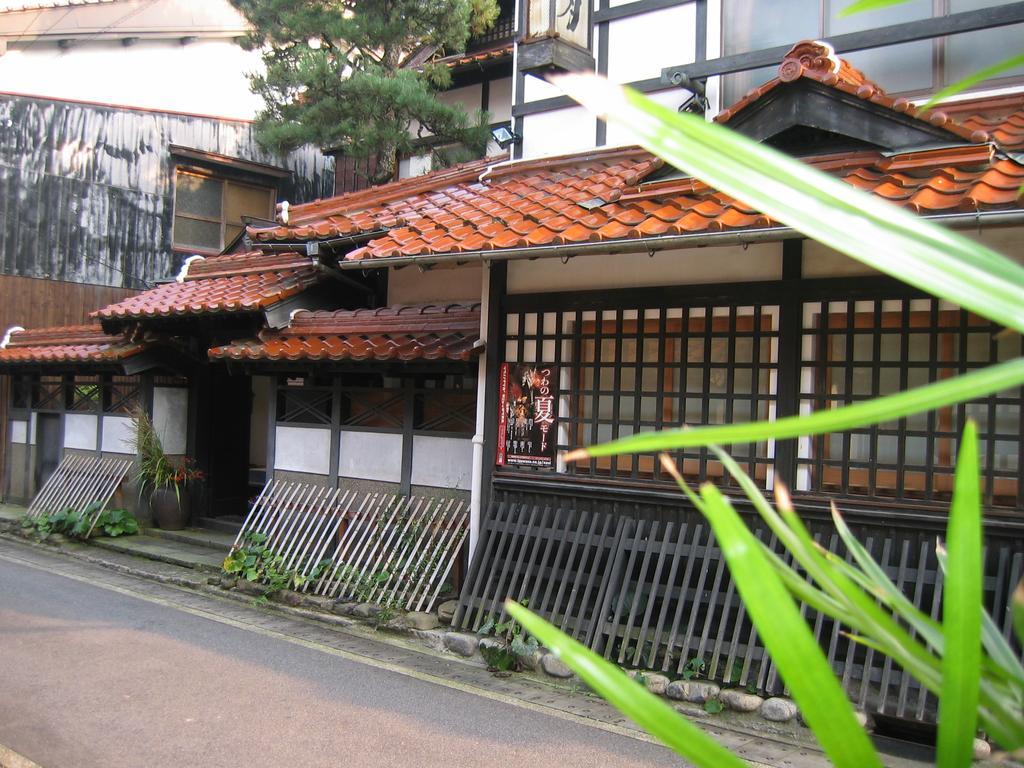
(49, 446)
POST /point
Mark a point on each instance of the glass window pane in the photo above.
(967, 53)
(752, 24)
(897, 68)
(192, 233)
(197, 196)
(246, 201)
(749, 25)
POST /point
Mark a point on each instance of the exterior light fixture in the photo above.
(504, 136)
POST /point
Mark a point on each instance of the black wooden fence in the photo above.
(646, 586)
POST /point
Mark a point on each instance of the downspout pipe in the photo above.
(653, 244)
(477, 483)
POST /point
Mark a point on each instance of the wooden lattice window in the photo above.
(446, 404)
(84, 393)
(304, 405)
(124, 395)
(626, 371)
(208, 210)
(48, 393)
(853, 351)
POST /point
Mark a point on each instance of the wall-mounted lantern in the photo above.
(557, 37)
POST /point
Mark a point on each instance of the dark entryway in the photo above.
(222, 441)
(48, 446)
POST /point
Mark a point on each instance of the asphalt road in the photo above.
(92, 677)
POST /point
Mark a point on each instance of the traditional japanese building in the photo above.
(456, 332)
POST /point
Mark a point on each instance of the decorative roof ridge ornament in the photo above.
(183, 272)
(10, 332)
(810, 56)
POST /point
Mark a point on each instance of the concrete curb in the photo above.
(11, 759)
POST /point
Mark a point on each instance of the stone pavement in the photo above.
(166, 580)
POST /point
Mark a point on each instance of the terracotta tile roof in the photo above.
(405, 333)
(68, 344)
(601, 196)
(466, 207)
(247, 282)
(818, 61)
(500, 51)
(543, 208)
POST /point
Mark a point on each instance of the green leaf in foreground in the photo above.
(974, 78)
(961, 609)
(863, 6)
(969, 386)
(873, 231)
(1018, 611)
(788, 639)
(628, 696)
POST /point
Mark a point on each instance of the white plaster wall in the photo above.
(411, 286)
(80, 431)
(117, 435)
(639, 46)
(414, 166)
(207, 77)
(19, 432)
(634, 270)
(499, 100)
(468, 97)
(558, 132)
(303, 449)
(170, 417)
(619, 135)
(371, 456)
(32, 429)
(536, 88)
(442, 462)
(822, 261)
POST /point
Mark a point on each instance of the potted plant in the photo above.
(167, 481)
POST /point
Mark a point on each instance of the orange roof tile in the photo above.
(68, 344)
(499, 51)
(405, 333)
(818, 61)
(601, 195)
(246, 282)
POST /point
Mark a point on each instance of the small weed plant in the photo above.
(76, 524)
(258, 563)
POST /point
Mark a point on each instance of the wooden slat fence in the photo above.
(654, 592)
(373, 547)
(79, 482)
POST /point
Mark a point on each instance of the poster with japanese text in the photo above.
(527, 410)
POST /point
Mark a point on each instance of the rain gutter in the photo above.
(650, 245)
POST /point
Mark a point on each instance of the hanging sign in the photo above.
(526, 415)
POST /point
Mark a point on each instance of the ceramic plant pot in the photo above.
(170, 509)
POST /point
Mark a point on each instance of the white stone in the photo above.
(740, 701)
(655, 683)
(446, 611)
(778, 710)
(554, 666)
(694, 691)
(420, 620)
(462, 644)
(982, 750)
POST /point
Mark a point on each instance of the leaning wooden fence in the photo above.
(372, 547)
(654, 592)
(80, 482)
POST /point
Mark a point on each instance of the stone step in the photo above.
(230, 525)
(165, 551)
(217, 540)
